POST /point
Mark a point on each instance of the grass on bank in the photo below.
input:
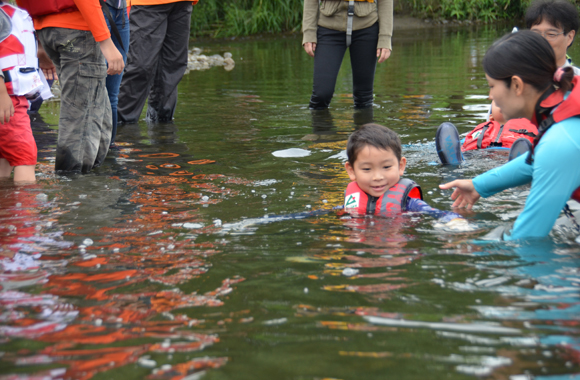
(213, 18)
(482, 10)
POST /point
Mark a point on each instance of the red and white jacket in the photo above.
(18, 55)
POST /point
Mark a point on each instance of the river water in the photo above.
(208, 247)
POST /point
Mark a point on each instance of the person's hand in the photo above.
(464, 194)
(46, 64)
(383, 54)
(6, 106)
(113, 57)
(310, 47)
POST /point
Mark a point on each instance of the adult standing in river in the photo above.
(117, 9)
(157, 59)
(330, 27)
(75, 43)
(525, 81)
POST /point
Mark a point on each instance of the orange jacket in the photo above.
(88, 17)
(154, 2)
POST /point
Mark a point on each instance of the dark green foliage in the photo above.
(227, 18)
(482, 10)
(244, 17)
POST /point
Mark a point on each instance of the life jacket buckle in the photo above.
(350, 10)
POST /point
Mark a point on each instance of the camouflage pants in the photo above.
(85, 123)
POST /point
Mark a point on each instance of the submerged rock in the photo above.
(198, 61)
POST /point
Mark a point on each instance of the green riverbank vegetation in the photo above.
(473, 10)
(219, 19)
(212, 18)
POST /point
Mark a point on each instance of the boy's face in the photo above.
(496, 114)
(376, 170)
(557, 39)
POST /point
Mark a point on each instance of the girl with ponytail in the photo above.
(525, 82)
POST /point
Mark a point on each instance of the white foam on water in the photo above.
(292, 153)
(340, 156)
(475, 339)
(266, 182)
(278, 321)
(478, 327)
(475, 370)
(192, 225)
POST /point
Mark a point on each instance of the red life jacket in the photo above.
(553, 109)
(493, 134)
(38, 8)
(393, 201)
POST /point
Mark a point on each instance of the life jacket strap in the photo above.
(372, 204)
(350, 17)
(112, 23)
(542, 128)
(570, 215)
(499, 135)
(480, 138)
(7, 76)
(523, 132)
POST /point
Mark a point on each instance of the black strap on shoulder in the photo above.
(480, 138)
(543, 123)
(542, 128)
(499, 134)
(112, 23)
(523, 132)
(7, 76)
(541, 111)
(371, 204)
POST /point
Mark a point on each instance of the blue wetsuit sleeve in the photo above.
(417, 205)
(512, 174)
(555, 177)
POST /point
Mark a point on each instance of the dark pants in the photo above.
(84, 126)
(328, 57)
(114, 81)
(156, 61)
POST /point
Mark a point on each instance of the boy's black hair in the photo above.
(374, 135)
(560, 13)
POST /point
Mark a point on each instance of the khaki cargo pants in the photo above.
(85, 123)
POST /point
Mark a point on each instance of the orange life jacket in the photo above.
(393, 201)
(553, 109)
(493, 134)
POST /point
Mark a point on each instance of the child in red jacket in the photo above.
(20, 80)
(516, 135)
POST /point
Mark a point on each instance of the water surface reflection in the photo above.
(194, 251)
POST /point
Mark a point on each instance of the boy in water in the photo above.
(375, 165)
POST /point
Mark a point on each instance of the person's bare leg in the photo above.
(5, 168)
(24, 173)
